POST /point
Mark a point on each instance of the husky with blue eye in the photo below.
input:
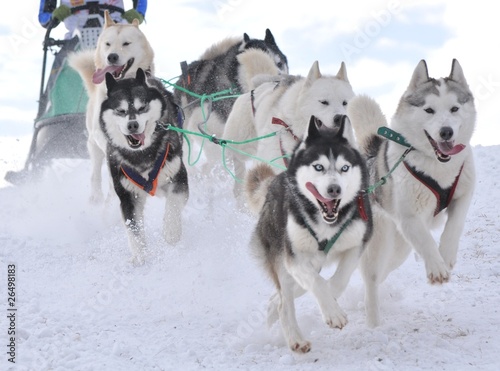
(144, 158)
(314, 214)
(434, 183)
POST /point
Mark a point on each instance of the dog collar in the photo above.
(148, 185)
(443, 195)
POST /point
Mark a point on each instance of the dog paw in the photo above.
(437, 272)
(438, 279)
(301, 346)
(336, 320)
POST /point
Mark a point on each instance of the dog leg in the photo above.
(450, 238)
(240, 127)
(96, 160)
(422, 241)
(346, 265)
(385, 251)
(132, 206)
(309, 278)
(177, 194)
(286, 310)
(274, 304)
(172, 221)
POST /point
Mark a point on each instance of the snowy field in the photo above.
(201, 304)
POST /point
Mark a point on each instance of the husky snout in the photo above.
(113, 58)
(446, 133)
(132, 126)
(334, 191)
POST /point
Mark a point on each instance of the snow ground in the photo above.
(201, 304)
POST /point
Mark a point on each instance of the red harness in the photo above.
(443, 195)
(277, 121)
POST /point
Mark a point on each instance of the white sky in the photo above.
(380, 41)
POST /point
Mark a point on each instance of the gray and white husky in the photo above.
(228, 64)
(143, 157)
(311, 215)
(434, 183)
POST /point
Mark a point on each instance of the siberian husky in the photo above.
(434, 182)
(143, 157)
(309, 216)
(284, 104)
(121, 50)
(228, 64)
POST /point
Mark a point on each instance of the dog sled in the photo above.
(59, 127)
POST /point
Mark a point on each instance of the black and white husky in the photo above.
(433, 184)
(228, 64)
(143, 157)
(314, 213)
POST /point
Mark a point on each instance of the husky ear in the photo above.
(420, 75)
(269, 39)
(314, 126)
(140, 75)
(340, 123)
(110, 82)
(135, 22)
(314, 74)
(342, 74)
(457, 74)
(108, 21)
(246, 38)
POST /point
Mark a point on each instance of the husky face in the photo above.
(437, 116)
(325, 96)
(130, 113)
(121, 50)
(327, 169)
(269, 46)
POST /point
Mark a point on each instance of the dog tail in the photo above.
(366, 117)
(257, 182)
(83, 63)
(256, 66)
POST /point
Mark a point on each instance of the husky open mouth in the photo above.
(135, 140)
(445, 149)
(118, 72)
(329, 207)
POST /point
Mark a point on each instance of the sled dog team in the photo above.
(323, 201)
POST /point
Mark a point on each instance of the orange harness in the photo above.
(148, 185)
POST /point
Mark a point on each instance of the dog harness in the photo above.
(148, 185)
(276, 121)
(443, 195)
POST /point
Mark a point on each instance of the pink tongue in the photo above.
(99, 74)
(311, 188)
(445, 149)
(139, 137)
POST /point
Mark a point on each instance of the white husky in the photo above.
(284, 102)
(121, 50)
(433, 183)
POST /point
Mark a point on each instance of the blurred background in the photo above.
(381, 42)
